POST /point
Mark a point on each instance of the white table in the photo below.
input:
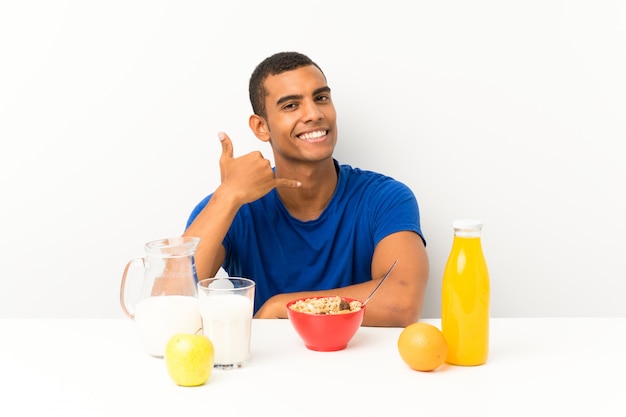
(544, 367)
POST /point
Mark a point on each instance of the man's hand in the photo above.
(274, 308)
(398, 302)
(248, 177)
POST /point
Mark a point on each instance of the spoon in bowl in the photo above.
(380, 283)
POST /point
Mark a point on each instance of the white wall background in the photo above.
(513, 112)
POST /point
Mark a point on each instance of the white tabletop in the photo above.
(85, 367)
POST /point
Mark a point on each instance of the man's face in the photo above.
(301, 116)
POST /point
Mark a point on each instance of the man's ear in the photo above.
(259, 127)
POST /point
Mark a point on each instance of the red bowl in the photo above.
(325, 332)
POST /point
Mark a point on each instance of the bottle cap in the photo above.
(467, 224)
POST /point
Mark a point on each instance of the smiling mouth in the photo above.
(313, 136)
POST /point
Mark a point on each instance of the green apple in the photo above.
(189, 359)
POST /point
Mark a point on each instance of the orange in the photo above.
(422, 346)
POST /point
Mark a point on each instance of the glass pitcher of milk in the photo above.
(165, 301)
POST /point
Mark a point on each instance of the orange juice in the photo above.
(465, 297)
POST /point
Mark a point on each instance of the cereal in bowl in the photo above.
(325, 305)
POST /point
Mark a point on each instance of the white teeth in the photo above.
(312, 135)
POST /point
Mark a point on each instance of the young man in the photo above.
(309, 226)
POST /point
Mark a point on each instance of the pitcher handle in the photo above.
(124, 284)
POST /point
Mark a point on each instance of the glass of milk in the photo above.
(226, 307)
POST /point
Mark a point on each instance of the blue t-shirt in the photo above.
(283, 254)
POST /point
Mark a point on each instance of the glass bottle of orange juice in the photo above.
(466, 296)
